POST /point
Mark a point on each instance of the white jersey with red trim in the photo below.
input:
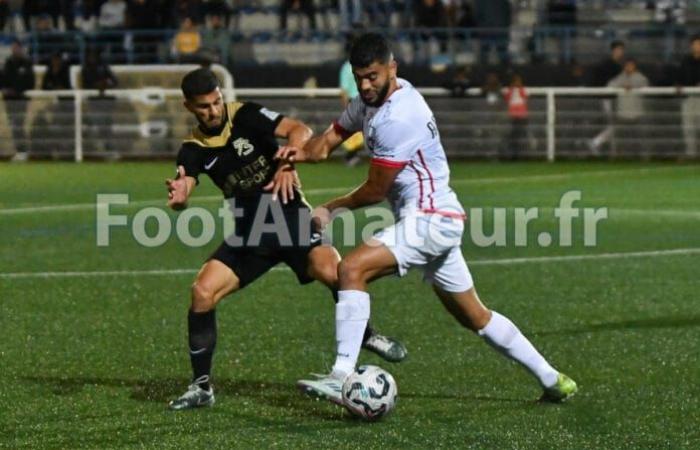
(402, 133)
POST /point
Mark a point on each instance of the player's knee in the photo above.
(328, 276)
(350, 270)
(203, 297)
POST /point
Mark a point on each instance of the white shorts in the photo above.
(432, 243)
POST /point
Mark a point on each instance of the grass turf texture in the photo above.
(91, 361)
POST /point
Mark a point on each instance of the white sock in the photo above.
(504, 336)
(351, 316)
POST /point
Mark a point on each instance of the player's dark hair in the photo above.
(370, 48)
(199, 82)
(695, 37)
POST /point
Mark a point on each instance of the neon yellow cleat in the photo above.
(564, 388)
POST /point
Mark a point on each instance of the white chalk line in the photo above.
(339, 190)
(483, 262)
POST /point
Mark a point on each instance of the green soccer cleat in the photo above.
(195, 397)
(388, 348)
(562, 390)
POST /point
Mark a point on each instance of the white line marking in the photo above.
(483, 262)
(321, 191)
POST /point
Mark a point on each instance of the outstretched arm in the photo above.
(179, 189)
(316, 149)
(372, 191)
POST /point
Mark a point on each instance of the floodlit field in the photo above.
(94, 338)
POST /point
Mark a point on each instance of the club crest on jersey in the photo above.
(243, 147)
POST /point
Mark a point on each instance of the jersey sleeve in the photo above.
(257, 118)
(350, 121)
(395, 144)
(192, 159)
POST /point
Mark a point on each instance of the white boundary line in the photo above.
(483, 262)
(320, 191)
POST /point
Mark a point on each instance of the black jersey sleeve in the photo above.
(192, 159)
(258, 119)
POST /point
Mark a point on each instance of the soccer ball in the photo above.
(369, 392)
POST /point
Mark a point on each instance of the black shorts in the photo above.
(249, 262)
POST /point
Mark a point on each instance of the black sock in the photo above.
(368, 330)
(202, 331)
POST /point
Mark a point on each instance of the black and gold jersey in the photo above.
(239, 158)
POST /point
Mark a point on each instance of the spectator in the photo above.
(689, 76)
(142, 16)
(495, 17)
(112, 15)
(219, 8)
(97, 74)
(4, 14)
(602, 73)
(459, 84)
(379, 13)
(305, 6)
(100, 110)
(348, 90)
(18, 77)
(57, 76)
(630, 105)
(31, 9)
(216, 40)
(111, 21)
(67, 8)
(561, 15)
(670, 12)
(430, 14)
(516, 97)
(187, 42)
(610, 67)
(186, 9)
(54, 123)
(350, 14)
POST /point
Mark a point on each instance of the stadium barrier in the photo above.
(564, 123)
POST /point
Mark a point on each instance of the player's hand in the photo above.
(288, 154)
(321, 217)
(177, 190)
(283, 183)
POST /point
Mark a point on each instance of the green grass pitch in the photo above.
(90, 358)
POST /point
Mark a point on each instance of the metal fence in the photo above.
(563, 123)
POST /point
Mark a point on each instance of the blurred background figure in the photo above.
(300, 6)
(348, 91)
(630, 109)
(187, 42)
(516, 98)
(17, 78)
(4, 14)
(689, 76)
(603, 73)
(52, 129)
(215, 40)
(429, 15)
(143, 16)
(100, 109)
(350, 13)
(495, 17)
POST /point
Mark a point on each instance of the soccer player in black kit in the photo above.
(234, 144)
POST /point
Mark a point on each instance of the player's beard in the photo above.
(381, 96)
(212, 131)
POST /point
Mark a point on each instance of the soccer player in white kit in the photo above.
(408, 167)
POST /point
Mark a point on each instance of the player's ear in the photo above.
(187, 105)
(392, 68)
